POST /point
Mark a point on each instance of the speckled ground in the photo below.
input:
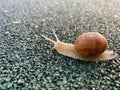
(27, 60)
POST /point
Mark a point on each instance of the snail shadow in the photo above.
(85, 70)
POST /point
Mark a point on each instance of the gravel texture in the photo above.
(27, 61)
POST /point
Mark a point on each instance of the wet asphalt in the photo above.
(27, 61)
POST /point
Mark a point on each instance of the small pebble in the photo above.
(5, 10)
(20, 81)
(7, 33)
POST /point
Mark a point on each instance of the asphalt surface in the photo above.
(27, 61)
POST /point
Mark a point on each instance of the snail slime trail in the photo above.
(90, 46)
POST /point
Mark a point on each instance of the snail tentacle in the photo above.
(48, 38)
(55, 35)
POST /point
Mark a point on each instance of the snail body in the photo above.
(90, 46)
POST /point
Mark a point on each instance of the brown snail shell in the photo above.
(90, 44)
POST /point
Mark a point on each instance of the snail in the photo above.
(90, 46)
